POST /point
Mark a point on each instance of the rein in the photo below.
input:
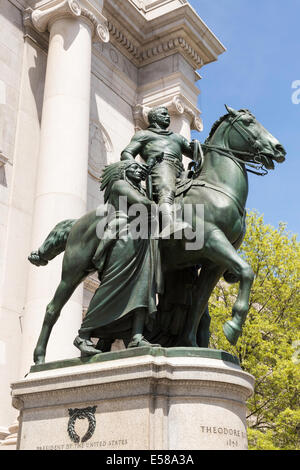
(253, 163)
(229, 153)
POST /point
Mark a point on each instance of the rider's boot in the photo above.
(138, 341)
(85, 346)
(170, 226)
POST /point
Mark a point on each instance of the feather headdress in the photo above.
(114, 172)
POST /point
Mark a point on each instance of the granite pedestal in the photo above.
(151, 399)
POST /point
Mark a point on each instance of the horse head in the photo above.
(251, 141)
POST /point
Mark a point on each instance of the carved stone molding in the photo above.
(3, 159)
(146, 5)
(43, 17)
(123, 40)
(11, 438)
(140, 117)
(170, 45)
(146, 31)
(142, 54)
(91, 283)
(177, 106)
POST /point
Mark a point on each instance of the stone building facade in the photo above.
(77, 78)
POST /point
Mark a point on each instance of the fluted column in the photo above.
(62, 175)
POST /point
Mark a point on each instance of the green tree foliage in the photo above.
(270, 346)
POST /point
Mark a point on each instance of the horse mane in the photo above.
(222, 119)
(215, 127)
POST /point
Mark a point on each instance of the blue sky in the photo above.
(262, 38)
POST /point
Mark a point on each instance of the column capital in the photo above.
(178, 106)
(43, 17)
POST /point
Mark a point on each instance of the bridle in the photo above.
(230, 153)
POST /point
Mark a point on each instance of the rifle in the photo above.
(198, 159)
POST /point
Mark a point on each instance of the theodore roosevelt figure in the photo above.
(151, 144)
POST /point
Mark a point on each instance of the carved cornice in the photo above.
(142, 55)
(124, 41)
(146, 32)
(179, 105)
(167, 46)
(43, 17)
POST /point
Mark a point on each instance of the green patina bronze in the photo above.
(220, 183)
(142, 351)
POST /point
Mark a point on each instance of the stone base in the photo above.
(139, 399)
(10, 440)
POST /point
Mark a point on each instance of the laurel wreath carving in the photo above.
(83, 413)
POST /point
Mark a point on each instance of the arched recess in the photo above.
(100, 154)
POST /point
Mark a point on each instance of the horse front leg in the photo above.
(220, 251)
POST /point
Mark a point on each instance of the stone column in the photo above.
(62, 175)
(185, 118)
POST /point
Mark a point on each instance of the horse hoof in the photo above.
(39, 360)
(231, 332)
(36, 259)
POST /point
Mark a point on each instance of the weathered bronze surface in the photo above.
(219, 182)
(134, 352)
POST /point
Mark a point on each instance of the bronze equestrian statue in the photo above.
(237, 140)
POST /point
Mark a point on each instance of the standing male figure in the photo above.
(152, 143)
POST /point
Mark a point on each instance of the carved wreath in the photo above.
(83, 413)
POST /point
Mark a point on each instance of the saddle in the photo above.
(183, 185)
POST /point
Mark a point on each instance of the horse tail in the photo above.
(54, 244)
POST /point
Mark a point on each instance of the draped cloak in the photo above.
(130, 274)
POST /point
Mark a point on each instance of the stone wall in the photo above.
(143, 53)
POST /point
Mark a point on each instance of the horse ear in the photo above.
(231, 111)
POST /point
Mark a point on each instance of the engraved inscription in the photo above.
(235, 438)
(86, 445)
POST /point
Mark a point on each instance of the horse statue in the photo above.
(220, 184)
